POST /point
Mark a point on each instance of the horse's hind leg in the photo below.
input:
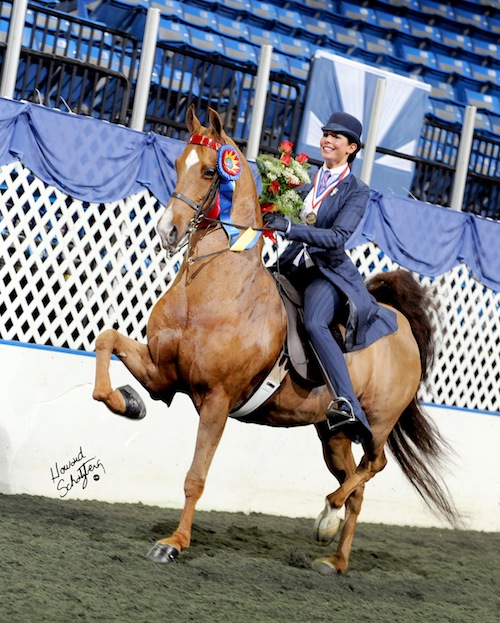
(340, 461)
(137, 359)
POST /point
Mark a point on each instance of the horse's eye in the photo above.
(209, 173)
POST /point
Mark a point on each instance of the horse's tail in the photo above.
(415, 442)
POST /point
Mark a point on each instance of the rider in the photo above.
(317, 265)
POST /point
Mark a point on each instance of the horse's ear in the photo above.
(192, 121)
(215, 121)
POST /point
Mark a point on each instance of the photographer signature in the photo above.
(75, 472)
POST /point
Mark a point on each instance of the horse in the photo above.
(218, 331)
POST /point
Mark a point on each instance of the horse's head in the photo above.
(198, 180)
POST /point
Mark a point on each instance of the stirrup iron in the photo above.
(340, 416)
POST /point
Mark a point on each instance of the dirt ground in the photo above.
(66, 561)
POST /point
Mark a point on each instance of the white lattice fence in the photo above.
(69, 269)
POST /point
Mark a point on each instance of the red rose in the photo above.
(302, 158)
(267, 207)
(286, 147)
(285, 159)
(274, 187)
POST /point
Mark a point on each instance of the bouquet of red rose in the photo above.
(280, 176)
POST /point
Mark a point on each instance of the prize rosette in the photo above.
(228, 163)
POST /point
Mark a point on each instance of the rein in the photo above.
(228, 171)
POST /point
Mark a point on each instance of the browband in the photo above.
(198, 139)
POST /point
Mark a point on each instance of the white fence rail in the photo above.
(69, 269)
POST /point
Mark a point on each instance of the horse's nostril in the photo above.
(173, 235)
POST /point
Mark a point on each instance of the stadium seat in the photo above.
(482, 101)
(317, 30)
(438, 9)
(355, 14)
(236, 9)
(262, 14)
(411, 5)
(289, 22)
(471, 18)
(494, 24)
(294, 47)
(389, 21)
(259, 37)
(495, 123)
(452, 65)
(299, 69)
(173, 34)
(118, 14)
(346, 40)
(86, 33)
(445, 111)
(168, 8)
(442, 90)
(376, 49)
(316, 8)
(421, 30)
(418, 57)
(455, 41)
(199, 18)
(280, 63)
(487, 75)
(482, 122)
(485, 48)
(176, 83)
(205, 42)
(235, 29)
(241, 52)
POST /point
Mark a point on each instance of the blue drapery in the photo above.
(99, 162)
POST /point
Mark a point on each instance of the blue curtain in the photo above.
(99, 162)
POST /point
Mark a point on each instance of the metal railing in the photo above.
(70, 63)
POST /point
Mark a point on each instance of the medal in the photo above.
(311, 218)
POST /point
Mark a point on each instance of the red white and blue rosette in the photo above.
(228, 163)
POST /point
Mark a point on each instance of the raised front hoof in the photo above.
(327, 525)
(324, 566)
(164, 553)
(135, 409)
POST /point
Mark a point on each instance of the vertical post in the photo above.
(14, 42)
(463, 158)
(145, 69)
(371, 139)
(259, 101)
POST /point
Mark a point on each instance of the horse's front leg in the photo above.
(213, 418)
(137, 359)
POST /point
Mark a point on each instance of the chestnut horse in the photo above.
(219, 329)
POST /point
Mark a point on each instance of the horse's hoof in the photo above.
(324, 566)
(135, 409)
(327, 525)
(162, 552)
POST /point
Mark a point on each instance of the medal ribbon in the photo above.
(319, 198)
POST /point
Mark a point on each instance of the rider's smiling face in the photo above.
(335, 148)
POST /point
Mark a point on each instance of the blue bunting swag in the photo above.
(99, 162)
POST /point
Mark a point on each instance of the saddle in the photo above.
(297, 356)
(301, 356)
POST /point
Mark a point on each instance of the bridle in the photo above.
(203, 209)
(206, 204)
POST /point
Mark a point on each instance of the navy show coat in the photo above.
(337, 217)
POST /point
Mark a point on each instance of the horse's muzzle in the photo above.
(168, 232)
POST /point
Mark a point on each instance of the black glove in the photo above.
(276, 221)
